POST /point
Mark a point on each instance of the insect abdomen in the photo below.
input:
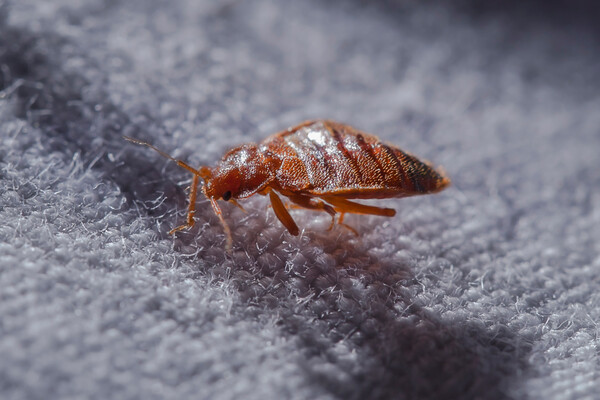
(328, 158)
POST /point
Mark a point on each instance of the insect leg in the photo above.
(347, 206)
(282, 213)
(217, 210)
(313, 204)
(192, 211)
(341, 222)
(191, 207)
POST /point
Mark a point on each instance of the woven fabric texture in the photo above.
(488, 290)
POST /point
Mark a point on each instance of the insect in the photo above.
(317, 165)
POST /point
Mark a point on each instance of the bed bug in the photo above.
(317, 165)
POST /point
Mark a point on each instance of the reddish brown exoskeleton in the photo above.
(318, 165)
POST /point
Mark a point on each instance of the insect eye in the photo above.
(227, 195)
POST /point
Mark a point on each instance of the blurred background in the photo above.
(487, 290)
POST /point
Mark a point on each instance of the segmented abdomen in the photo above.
(329, 158)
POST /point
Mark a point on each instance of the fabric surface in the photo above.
(490, 289)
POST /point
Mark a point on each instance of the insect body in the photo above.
(317, 165)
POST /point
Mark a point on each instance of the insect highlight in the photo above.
(317, 165)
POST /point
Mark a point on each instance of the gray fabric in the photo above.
(487, 290)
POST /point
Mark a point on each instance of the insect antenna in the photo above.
(166, 155)
(202, 172)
